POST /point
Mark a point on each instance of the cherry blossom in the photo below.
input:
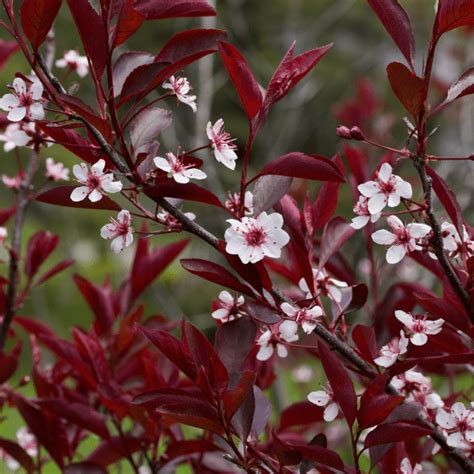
(74, 61)
(325, 284)
(233, 203)
(459, 424)
(180, 87)
(268, 342)
(177, 169)
(119, 231)
(306, 317)
(222, 144)
(27, 441)
(253, 239)
(406, 467)
(392, 351)
(170, 222)
(363, 215)
(95, 182)
(229, 307)
(453, 243)
(56, 171)
(24, 101)
(386, 189)
(3, 235)
(402, 240)
(14, 136)
(325, 398)
(12, 182)
(418, 327)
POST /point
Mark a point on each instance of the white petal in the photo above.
(8, 102)
(383, 237)
(445, 419)
(359, 222)
(95, 196)
(220, 313)
(17, 114)
(377, 203)
(330, 413)
(98, 168)
(404, 318)
(79, 193)
(36, 112)
(265, 352)
(282, 351)
(108, 231)
(418, 231)
(80, 172)
(112, 186)
(118, 244)
(180, 178)
(319, 397)
(393, 200)
(395, 254)
(419, 339)
(404, 189)
(385, 172)
(369, 189)
(395, 223)
(194, 173)
(36, 90)
(19, 86)
(288, 329)
(288, 309)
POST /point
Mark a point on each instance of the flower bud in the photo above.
(343, 132)
(356, 134)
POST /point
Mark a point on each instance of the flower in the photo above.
(459, 423)
(27, 441)
(75, 62)
(119, 231)
(14, 136)
(453, 243)
(419, 327)
(387, 188)
(12, 182)
(222, 144)
(177, 169)
(268, 341)
(253, 239)
(171, 223)
(95, 182)
(390, 352)
(180, 87)
(233, 203)
(363, 214)
(24, 102)
(229, 307)
(325, 284)
(325, 398)
(56, 171)
(3, 234)
(307, 317)
(402, 239)
(406, 468)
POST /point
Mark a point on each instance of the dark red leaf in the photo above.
(234, 398)
(7, 48)
(460, 88)
(37, 17)
(9, 362)
(375, 409)
(114, 449)
(262, 313)
(196, 413)
(300, 413)
(147, 125)
(40, 247)
(397, 23)
(453, 14)
(159, 9)
(58, 268)
(128, 22)
(395, 432)
(336, 233)
(18, 453)
(268, 190)
(241, 76)
(126, 64)
(365, 340)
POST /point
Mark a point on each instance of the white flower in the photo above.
(27, 441)
(95, 182)
(268, 342)
(119, 231)
(253, 239)
(325, 284)
(24, 102)
(3, 235)
(453, 243)
(307, 317)
(419, 328)
(402, 239)
(56, 171)
(459, 423)
(177, 169)
(325, 398)
(363, 214)
(73, 60)
(233, 203)
(303, 374)
(12, 182)
(387, 188)
(229, 307)
(222, 144)
(406, 468)
(390, 352)
(180, 87)
(171, 223)
(14, 136)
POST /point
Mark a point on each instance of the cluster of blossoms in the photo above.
(26, 441)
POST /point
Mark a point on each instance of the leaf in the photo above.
(18, 453)
(375, 409)
(113, 450)
(300, 165)
(37, 18)
(365, 340)
(397, 23)
(300, 414)
(160, 9)
(262, 313)
(125, 65)
(268, 190)
(242, 78)
(408, 87)
(59, 267)
(40, 247)
(7, 48)
(453, 14)
(234, 398)
(336, 233)
(198, 414)
(340, 382)
(395, 432)
(148, 124)
(128, 22)
(9, 362)
(460, 88)
(61, 196)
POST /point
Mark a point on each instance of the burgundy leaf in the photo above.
(262, 313)
(159, 9)
(453, 14)
(114, 449)
(300, 413)
(365, 340)
(397, 23)
(336, 233)
(148, 124)
(128, 22)
(268, 190)
(375, 409)
(9, 362)
(395, 432)
(58, 268)
(460, 88)
(7, 48)
(40, 247)
(37, 17)
(18, 453)
(197, 413)
(242, 78)
(234, 398)
(125, 65)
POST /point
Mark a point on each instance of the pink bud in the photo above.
(343, 132)
(357, 134)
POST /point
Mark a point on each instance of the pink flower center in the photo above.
(93, 181)
(418, 325)
(255, 236)
(389, 187)
(25, 99)
(121, 228)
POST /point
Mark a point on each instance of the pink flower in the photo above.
(459, 423)
(3, 235)
(363, 214)
(306, 317)
(177, 169)
(419, 327)
(325, 284)
(180, 87)
(56, 171)
(268, 342)
(453, 243)
(119, 231)
(14, 136)
(95, 182)
(222, 144)
(24, 102)
(233, 203)
(229, 307)
(406, 467)
(402, 240)
(392, 351)
(73, 60)
(253, 239)
(325, 398)
(12, 182)
(387, 188)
